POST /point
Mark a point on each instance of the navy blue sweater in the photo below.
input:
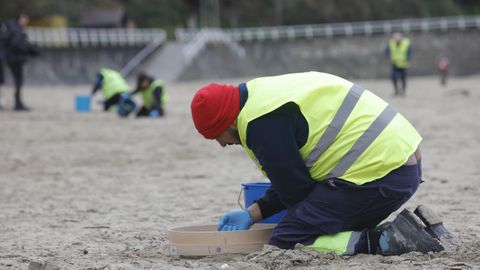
(98, 83)
(275, 139)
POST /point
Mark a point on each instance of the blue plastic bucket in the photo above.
(253, 191)
(82, 103)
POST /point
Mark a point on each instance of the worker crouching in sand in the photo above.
(340, 160)
(154, 96)
(113, 86)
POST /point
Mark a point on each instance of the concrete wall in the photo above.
(73, 65)
(352, 57)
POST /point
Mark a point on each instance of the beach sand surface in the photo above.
(94, 191)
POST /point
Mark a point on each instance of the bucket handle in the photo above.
(238, 199)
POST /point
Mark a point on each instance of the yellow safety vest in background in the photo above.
(399, 53)
(352, 134)
(113, 83)
(147, 95)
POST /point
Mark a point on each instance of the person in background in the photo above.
(112, 84)
(17, 49)
(153, 94)
(340, 160)
(399, 51)
(3, 36)
(442, 68)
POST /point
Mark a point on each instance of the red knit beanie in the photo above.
(214, 109)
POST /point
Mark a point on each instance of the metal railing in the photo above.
(343, 29)
(93, 37)
(141, 56)
(206, 36)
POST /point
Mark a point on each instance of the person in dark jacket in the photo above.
(3, 36)
(17, 50)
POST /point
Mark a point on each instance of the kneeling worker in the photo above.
(340, 160)
(112, 84)
(154, 96)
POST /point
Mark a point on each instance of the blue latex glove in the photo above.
(235, 220)
(154, 113)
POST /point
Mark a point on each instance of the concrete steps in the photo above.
(167, 63)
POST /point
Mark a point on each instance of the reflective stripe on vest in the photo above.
(353, 134)
(363, 142)
(336, 125)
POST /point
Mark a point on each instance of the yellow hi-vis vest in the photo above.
(113, 83)
(398, 53)
(352, 134)
(147, 94)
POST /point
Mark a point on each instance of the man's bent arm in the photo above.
(275, 139)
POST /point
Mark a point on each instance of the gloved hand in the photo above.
(154, 113)
(235, 220)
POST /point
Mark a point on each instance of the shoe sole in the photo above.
(406, 234)
(435, 227)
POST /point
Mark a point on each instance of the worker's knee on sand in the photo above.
(346, 243)
(419, 231)
(342, 243)
(367, 207)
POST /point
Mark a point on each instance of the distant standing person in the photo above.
(400, 52)
(442, 68)
(3, 36)
(17, 48)
(112, 84)
(154, 96)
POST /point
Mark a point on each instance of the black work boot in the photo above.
(406, 234)
(21, 107)
(434, 226)
(19, 104)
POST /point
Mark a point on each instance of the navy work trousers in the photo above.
(344, 206)
(399, 74)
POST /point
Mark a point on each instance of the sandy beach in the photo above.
(94, 191)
